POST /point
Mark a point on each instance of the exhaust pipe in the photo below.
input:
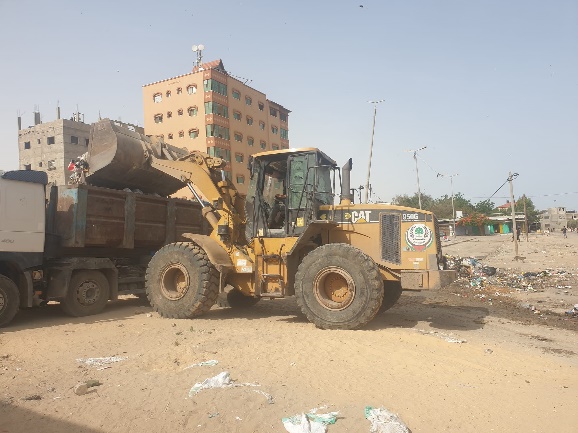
(346, 196)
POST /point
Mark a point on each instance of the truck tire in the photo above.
(391, 294)
(235, 299)
(88, 293)
(181, 282)
(337, 286)
(9, 300)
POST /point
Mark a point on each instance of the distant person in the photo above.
(518, 233)
(564, 229)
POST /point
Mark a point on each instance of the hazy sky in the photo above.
(488, 86)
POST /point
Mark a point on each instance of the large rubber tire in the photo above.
(235, 299)
(337, 286)
(391, 294)
(181, 282)
(88, 293)
(9, 300)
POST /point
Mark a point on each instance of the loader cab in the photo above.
(286, 189)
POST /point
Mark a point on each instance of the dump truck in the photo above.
(81, 245)
(293, 233)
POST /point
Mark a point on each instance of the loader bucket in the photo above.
(118, 159)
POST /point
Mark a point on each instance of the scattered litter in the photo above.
(311, 422)
(100, 362)
(269, 397)
(82, 388)
(384, 421)
(210, 362)
(149, 314)
(32, 397)
(213, 415)
(221, 380)
(238, 419)
(573, 312)
(446, 337)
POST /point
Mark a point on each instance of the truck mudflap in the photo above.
(427, 280)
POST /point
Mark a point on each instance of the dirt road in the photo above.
(444, 361)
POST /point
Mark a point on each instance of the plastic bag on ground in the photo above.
(384, 421)
(309, 423)
(221, 380)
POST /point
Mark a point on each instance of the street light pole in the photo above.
(451, 176)
(417, 172)
(371, 147)
(511, 177)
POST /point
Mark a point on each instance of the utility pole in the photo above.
(417, 171)
(526, 219)
(511, 177)
(451, 176)
(371, 148)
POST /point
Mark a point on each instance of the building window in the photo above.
(275, 146)
(283, 146)
(284, 134)
(157, 97)
(220, 153)
(237, 115)
(274, 129)
(51, 165)
(192, 89)
(179, 90)
(215, 86)
(239, 157)
(283, 117)
(250, 141)
(169, 114)
(238, 137)
(240, 178)
(73, 139)
(212, 107)
(248, 100)
(27, 145)
(218, 131)
(50, 140)
(158, 118)
(249, 120)
(27, 166)
(193, 111)
(272, 112)
(170, 136)
(38, 141)
(236, 94)
(168, 93)
(261, 126)
(261, 106)
(180, 111)
(40, 164)
(193, 133)
(263, 144)
(86, 141)
(181, 134)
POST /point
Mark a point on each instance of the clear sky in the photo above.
(489, 86)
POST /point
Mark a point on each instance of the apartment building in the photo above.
(554, 219)
(211, 111)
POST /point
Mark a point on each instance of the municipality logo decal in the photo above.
(419, 237)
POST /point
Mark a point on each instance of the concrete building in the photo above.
(51, 146)
(554, 219)
(211, 111)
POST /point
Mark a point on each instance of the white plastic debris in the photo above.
(269, 397)
(208, 363)
(221, 380)
(311, 422)
(100, 362)
(384, 421)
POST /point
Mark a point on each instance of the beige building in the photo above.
(51, 146)
(211, 111)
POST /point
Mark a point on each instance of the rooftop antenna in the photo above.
(199, 50)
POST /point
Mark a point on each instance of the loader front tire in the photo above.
(337, 286)
(9, 300)
(181, 282)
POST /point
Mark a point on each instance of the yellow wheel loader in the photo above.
(294, 233)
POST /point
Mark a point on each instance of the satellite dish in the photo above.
(201, 47)
(195, 48)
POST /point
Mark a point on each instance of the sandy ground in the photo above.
(451, 360)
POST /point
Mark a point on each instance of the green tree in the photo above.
(485, 207)
(533, 214)
(413, 201)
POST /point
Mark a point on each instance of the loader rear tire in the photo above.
(235, 299)
(337, 286)
(391, 294)
(9, 300)
(88, 293)
(181, 282)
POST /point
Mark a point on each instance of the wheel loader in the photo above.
(294, 233)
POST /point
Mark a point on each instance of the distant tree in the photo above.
(485, 207)
(474, 219)
(533, 214)
(572, 224)
(413, 201)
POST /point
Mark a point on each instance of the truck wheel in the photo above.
(235, 299)
(88, 293)
(337, 286)
(391, 294)
(9, 300)
(181, 282)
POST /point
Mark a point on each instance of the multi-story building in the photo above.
(553, 219)
(211, 111)
(51, 146)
